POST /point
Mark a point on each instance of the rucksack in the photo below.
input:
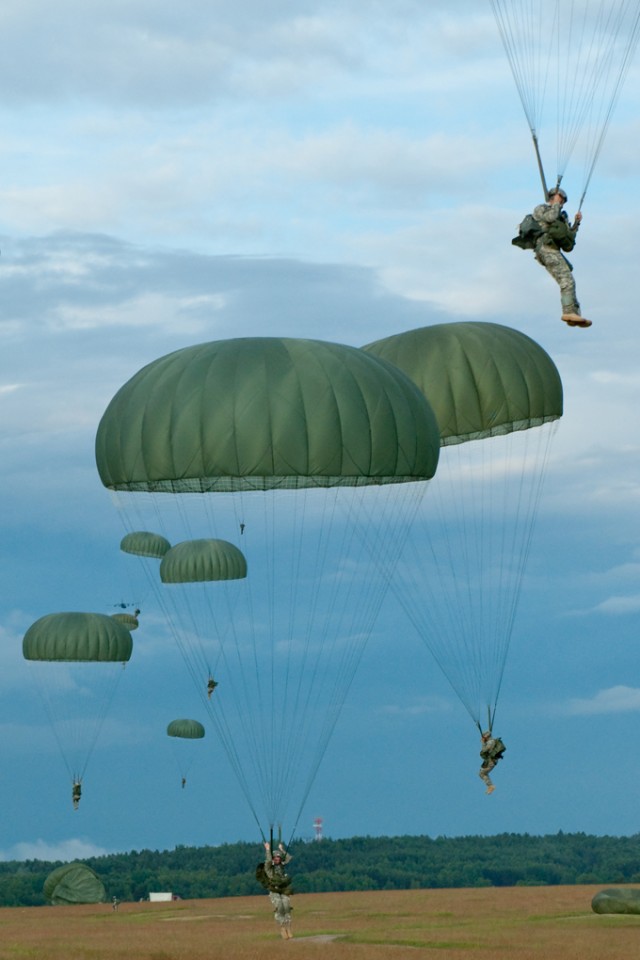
(562, 234)
(498, 749)
(261, 876)
(277, 883)
(529, 232)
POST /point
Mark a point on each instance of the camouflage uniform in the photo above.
(549, 254)
(488, 761)
(280, 892)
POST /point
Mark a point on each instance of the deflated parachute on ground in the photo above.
(74, 883)
(292, 449)
(462, 578)
(616, 900)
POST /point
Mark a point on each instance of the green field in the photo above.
(527, 923)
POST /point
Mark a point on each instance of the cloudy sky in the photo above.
(340, 170)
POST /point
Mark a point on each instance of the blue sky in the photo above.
(335, 170)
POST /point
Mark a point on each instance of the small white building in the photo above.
(160, 897)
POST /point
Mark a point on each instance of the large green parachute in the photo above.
(74, 883)
(481, 379)
(310, 459)
(496, 395)
(261, 413)
(77, 660)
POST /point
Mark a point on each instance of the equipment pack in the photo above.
(529, 232)
(498, 749)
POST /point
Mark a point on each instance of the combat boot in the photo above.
(575, 320)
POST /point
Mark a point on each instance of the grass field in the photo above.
(527, 923)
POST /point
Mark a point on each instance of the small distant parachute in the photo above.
(143, 543)
(184, 730)
(77, 661)
(202, 588)
(497, 396)
(202, 561)
(148, 548)
(74, 883)
(316, 455)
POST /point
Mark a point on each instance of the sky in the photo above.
(332, 170)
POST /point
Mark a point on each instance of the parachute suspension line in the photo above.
(629, 52)
(465, 562)
(189, 632)
(582, 50)
(538, 448)
(116, 669)
(519, 24)
(76, 740)
(335, 665)
(435, 577)
(376, 519)
(289, 637)
(545, 189)
(53, 720)
(304, 673)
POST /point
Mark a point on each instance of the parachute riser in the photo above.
(490, 719)
(536, 147)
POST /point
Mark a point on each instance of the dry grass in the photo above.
(539, 923)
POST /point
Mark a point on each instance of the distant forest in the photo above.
(360, 863)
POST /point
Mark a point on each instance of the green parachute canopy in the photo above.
(197, 561)
(308, 459)
(74, 883)
(186, 729)
(77, 637)
(617, 900)
(263, 412)
(143, 543)
(497, 396)
(481, 379)
(128, 620)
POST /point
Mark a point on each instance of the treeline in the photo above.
(360, 863)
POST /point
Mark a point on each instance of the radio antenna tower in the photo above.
(317, 826)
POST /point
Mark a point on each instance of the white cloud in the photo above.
(620, 699)
(616, 378)
(144, 53)
(428, 705)
(619, 605)
(65, 850)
